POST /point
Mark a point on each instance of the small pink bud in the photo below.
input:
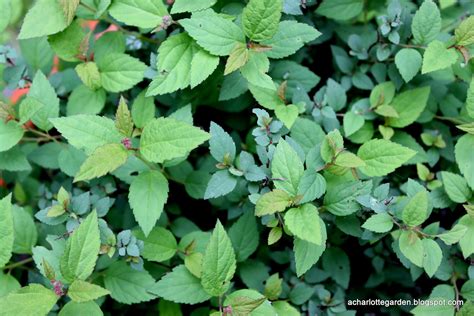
(227, 310)
(58, 287)
(170, 2)
(127, 143)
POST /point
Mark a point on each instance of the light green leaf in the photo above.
(82, 249)
(123, 119)
(307, 253)
(180, 6)
(464, 33)
(284, 308)
(408, 62)
(69, 8)
(140, 13)
(467, 290)
(411, 247)
(35, 24)
(87, 131)
(147, 196)
(31, 300)
(127, 285)
(331, 145)
(287, 114)
(340, 9)
(303, 222)
(143, 109)
(9, 284)
(470, 99)
(467, 241)
(267, 98)
(25, 231)
(47, 103)
(109, 43)
(239, 299)
(5, 15)
(203, 65)
(166, 138)
(160, 245)
(181, 63)
(10, 134)
(14, 160)
(120, 72)
(409, 105)
(214, 33)
(218, 263)
(6, 230)
(193, 262)
(379, 223)
(87, 308)
(289, 38)
(307, 133)
(221, 183)
(347, 159)
(89, 74)
(272, 202)
(383, 157)
(437, 57)
(432, 256)
(340, 199)
(416, 211)
(311, 186)
(81, 291)
(221, 145)
(456, 187)
(37, 53)
(287, 168)
(104, 159)
(51, 257)
(180, 286)
(244, 236)
(382, 94)
(183, 114)
(244, 305)
(255, 71)
(454, 235)
(386, 111)
(28, 108)
(260, 19)
(426, 23)
(69, 44)
(463, 153)
(84, 100)
(352, 122)
(238, 57)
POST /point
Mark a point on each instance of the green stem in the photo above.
(150, 165)
(451, 119)
(44, 135)
(17, 264)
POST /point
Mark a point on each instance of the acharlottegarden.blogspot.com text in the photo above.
(404, 302)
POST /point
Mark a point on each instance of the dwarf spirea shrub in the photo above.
(230, 157)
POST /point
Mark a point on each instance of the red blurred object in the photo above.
(3, 184)
(18, 93)
(29, 125)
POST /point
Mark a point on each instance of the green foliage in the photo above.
(141, 13)
(81, 251)
(257, 157)
(218, 263)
